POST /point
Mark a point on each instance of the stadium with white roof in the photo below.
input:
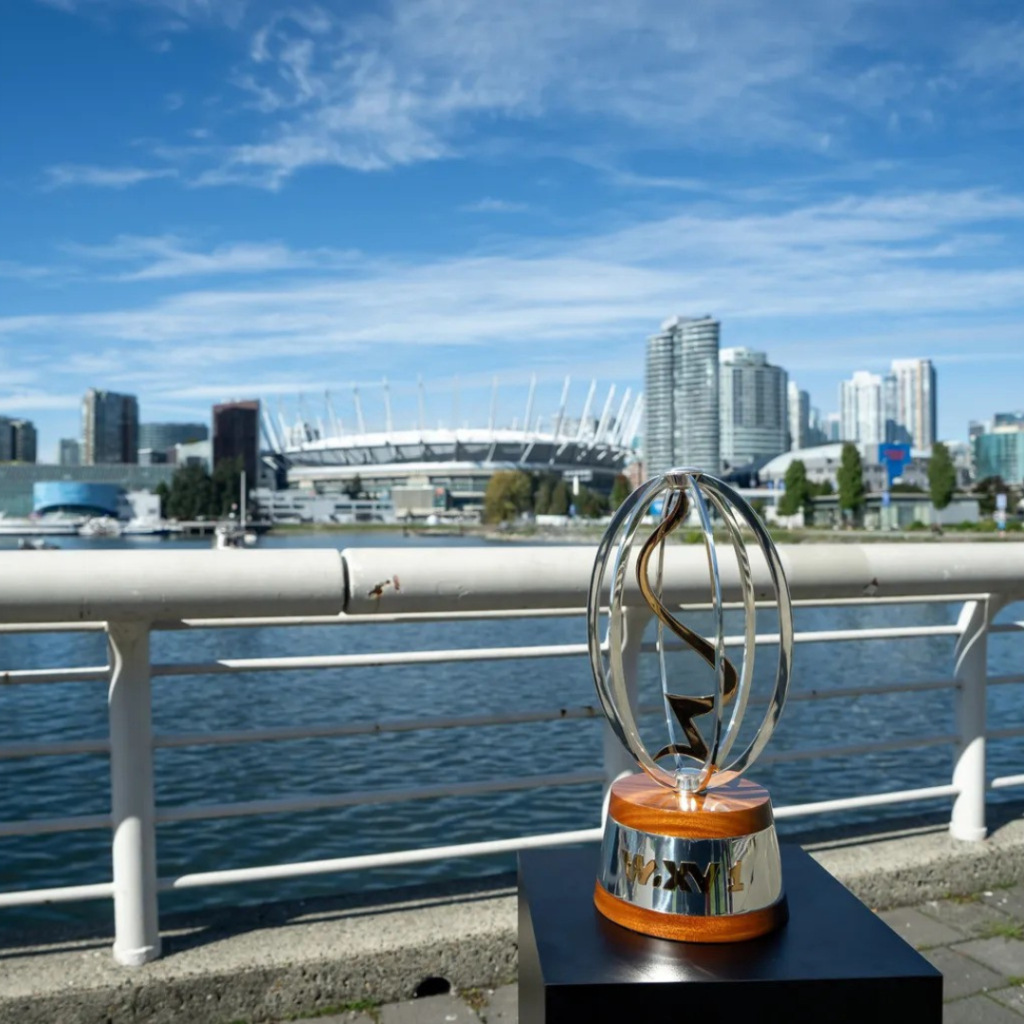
(448, 469)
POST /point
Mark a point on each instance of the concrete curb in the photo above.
(266, 963)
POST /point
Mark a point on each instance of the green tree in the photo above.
(163, 492)
(545, 484)
(941, 476)
(191, 494)
(354, 488)
(559, 504)
(227, 486)
(797, 492)
(621, 490)
(590, 504)
(851, 481)
(507, 496)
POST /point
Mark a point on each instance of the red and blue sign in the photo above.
(894, 457)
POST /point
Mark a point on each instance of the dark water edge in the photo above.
(53, 787)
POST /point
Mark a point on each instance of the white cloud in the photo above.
(66, 175)
(167, 256)
(793, 273)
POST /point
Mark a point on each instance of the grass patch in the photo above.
(971, 897)
(371, 1007)
(474, 998)
(999, 930)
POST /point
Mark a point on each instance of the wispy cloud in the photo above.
(67, 175)
(488, 205)
(787, 274)
(168, 256)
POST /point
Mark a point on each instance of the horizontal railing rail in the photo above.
(131, 594)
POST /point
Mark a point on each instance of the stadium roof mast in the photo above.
(529, 403)
(620, 416)
(389, 425)
(586, 410)
(360, 422)
(602, 423)
(561, 409)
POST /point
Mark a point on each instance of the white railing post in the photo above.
(968, 819)
(133, 810)
(617, 760)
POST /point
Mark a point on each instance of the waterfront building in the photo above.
(110, 428)
(17, 481)
(682, 389)
(753, 406)
(70, 452)
(18, 440)
(1000, 451)
(799, 416)
(861, 408)
(161, 437)
(911, 402)
(236, 434)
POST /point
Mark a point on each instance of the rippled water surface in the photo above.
(55, 787)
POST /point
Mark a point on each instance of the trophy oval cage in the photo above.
(702, 761)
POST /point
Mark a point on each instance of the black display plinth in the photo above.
(835, 961)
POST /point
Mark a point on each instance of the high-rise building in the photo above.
(17, 440)
(70, 453)
(1000, 451)
(912, 401)
(236, 433)
(161, 437)
(799, 416)
(753, 407)
(682, 396)
(110, 428)
(832, 427)
(25, 441)
(861, 408)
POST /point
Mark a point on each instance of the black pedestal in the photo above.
(835, 962)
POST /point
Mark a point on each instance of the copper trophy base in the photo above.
(689, 867)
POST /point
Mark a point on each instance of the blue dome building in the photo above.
(76, 498)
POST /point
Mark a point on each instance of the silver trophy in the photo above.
(690, 850)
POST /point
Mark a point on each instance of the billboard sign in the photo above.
(894, 457)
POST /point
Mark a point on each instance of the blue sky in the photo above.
(205, 199)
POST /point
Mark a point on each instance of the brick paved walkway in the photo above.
(977, 942)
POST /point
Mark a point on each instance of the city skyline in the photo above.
(218, 200)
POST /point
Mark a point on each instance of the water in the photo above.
(54, 787)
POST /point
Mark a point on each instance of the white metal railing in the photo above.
(131, 594)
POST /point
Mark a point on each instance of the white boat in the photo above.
(234, 534)
(100, 526)
(42, 526)
(36, 544)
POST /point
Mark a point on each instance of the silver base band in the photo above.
(695, 877)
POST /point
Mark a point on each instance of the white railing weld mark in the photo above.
(296, 805)
(872, 800)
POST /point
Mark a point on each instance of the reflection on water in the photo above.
(53, 787)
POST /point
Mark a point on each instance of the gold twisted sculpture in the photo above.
(686, 709)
